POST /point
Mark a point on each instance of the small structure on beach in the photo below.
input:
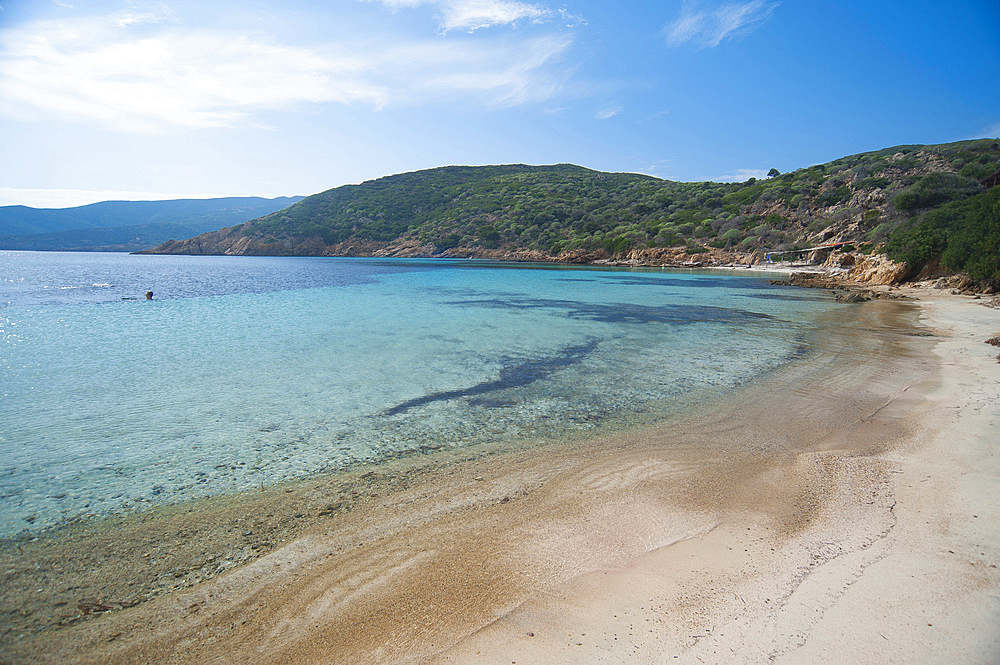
(771, 257)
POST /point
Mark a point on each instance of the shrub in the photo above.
(727, 226)
(935, 189)
(744, 196)
(617, 245)
(731, 237)
(974, 246)
(881, 232)
(834, 196)
(976, 170)
(776, 221)
(964, 234)
(875, 182)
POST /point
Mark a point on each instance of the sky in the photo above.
(133, 100)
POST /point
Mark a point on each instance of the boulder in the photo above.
(852, 296)
(878, 269)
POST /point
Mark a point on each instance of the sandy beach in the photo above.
(845, 509)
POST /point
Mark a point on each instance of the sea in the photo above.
(244, 372)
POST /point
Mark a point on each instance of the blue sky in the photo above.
(137, 100)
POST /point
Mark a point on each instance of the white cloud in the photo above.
(571, 20)
(709, 27)
(499, 73)
(608, 112)
(471, 15)
(167, 76)
(475, 14)
(157, 13)
(741, 175)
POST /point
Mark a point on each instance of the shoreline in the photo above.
(722, 522)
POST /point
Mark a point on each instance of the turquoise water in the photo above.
(246, 371)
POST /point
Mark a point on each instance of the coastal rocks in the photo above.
(843, 291)
(499, 254)
(864, 295)
(960, 283)
(878, 269)
(810, 280)
(852, 296)
(994, 341)
(580, 256)
(660, 257)
(838, 259)
(656, 256)
(231, 242)
(410, 248)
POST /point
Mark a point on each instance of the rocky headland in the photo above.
(900, 214)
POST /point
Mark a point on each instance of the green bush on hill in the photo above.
(964, 234)
(935, 189)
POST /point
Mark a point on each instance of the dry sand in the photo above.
(844, 510)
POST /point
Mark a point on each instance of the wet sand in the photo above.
(843, 509)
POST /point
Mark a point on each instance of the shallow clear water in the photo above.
(248, 370)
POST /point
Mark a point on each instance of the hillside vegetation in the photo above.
(924, 205)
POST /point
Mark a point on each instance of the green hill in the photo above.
(883, 199)
(126, 225)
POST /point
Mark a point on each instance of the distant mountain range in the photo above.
(127, 225)
(924, 205)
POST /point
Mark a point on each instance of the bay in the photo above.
(250, 371)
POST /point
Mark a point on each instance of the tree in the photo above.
(773, 172)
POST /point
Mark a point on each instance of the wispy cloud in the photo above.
(653, 117)
(165, 76)
(608, 112)
(157, 13)
(499, 73)
(471, 15)
(708, 27)
(741, 175)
